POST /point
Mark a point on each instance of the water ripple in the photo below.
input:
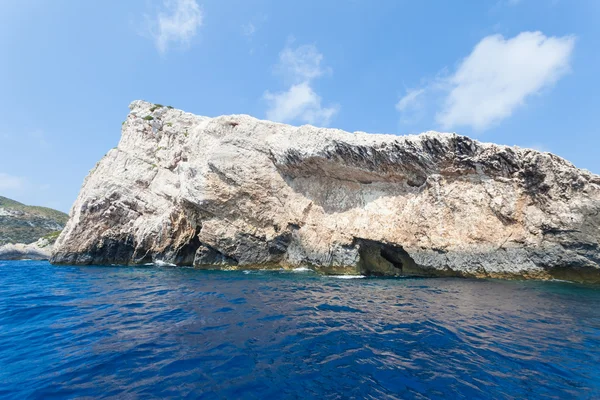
(157, 332)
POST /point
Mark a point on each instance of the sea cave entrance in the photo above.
(383, 259)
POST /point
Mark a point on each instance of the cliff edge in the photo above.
(236, 192)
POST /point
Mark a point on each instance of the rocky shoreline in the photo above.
(234, 192)
(40, 250)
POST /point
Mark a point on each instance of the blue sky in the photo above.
(516, 72)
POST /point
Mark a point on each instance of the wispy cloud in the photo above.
(301, 64)
(248, 29)
(10, 182)
(299, 67)
(412, 99)
(495, 79)
(411, 105)
(177, 24)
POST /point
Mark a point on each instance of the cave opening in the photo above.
(383, 259)
(391, 257)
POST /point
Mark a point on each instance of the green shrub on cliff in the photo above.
(52, 236)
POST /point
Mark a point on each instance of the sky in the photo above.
(514, 72)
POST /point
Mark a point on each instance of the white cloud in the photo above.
(301, 103)
(178, 24)
(500, 74)
(299, 67)
(492, 82)
(10, 182)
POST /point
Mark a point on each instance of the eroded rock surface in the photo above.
(236, 192)
(40, 250)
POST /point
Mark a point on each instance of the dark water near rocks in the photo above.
(91, 332)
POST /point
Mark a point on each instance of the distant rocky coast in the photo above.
(28, 232)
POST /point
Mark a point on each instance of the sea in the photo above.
(69, 332)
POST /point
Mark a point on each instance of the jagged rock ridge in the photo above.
(236, 192)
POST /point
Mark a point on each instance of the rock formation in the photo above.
(236, 192)
(40, 250)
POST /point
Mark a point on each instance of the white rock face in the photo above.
(236, 192)
(40, 250)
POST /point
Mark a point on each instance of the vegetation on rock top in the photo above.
(20, 223)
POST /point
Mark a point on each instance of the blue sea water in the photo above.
(155, 332)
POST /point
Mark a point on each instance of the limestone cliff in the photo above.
(237, 192)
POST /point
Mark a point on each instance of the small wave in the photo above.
(347, 276)
(301, 269)
(161, 263)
